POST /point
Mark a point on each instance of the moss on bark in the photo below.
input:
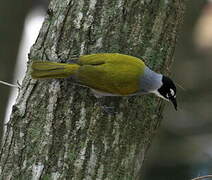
(58, 130)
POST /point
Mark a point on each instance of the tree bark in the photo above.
(58, 130)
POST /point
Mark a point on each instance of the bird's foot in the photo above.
(108, 109)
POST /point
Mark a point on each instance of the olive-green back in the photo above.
(111, 73)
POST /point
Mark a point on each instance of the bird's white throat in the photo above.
(158, 94)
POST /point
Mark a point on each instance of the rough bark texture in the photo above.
(58, 130)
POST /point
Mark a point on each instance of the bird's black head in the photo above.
(168, 90)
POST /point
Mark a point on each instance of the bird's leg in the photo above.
(104, 105)
(108, 109)
(103, 102)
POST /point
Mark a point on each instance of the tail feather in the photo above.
(45, 70)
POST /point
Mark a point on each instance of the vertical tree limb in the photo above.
(58, 130)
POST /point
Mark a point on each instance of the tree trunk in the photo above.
(58, 130)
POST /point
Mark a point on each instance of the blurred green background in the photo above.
(182, 148)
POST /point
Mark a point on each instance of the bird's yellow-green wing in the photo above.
(111, 73)
(101, 58)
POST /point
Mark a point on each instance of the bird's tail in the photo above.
(48, 70)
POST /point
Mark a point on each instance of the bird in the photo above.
(109, 74)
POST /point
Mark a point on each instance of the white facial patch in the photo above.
(172, 92)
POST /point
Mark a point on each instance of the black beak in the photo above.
(174, 102)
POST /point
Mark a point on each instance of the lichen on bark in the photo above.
(57, 129)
